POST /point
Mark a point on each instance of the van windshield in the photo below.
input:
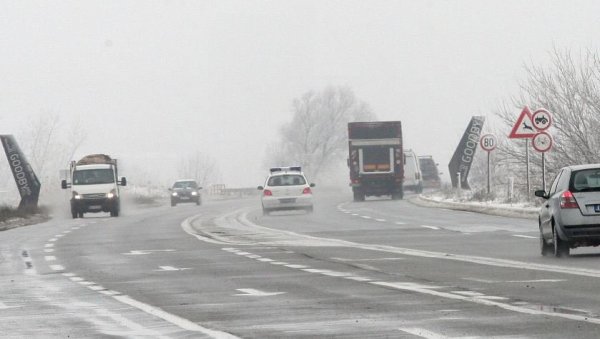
(93, 176)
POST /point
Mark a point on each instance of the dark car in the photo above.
(186, 190)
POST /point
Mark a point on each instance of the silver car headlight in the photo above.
(174, 194)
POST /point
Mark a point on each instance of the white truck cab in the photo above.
(94, 184)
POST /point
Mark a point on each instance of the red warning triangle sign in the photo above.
(523, 128)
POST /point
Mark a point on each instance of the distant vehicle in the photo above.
(375, 159)
(429, 172)
(570, 217)
(412, 172)
(185, 190)
(286, 188)
(94, 183)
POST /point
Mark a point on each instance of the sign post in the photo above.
(542, 142)
(523, 129)
(488, 143)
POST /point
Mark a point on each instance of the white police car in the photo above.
(286, 188)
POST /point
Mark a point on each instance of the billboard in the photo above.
(27, 182)
(463, 156)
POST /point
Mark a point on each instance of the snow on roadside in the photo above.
(516, 210)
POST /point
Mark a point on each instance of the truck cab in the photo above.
(94, 185)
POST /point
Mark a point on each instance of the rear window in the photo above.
(585, 181)
(286, 180)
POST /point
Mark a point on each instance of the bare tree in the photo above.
(570, 89)
(200, 167)
(317, 135)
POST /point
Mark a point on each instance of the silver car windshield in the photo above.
(585, 181)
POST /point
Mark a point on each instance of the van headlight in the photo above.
(76, 195)
(194, 193)
(174, 194)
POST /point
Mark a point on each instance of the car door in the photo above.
(546, 209)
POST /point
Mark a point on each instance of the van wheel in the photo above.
(80, 214)
(74, 214)
(266, 211)
(358, 195)
(545, 248)
(561, 248)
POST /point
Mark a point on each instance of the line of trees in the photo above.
(568, 87)
(316, 137)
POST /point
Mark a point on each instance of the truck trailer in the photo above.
(94, 184)
(376, 159)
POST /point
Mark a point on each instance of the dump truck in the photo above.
(376, 159)
(94, 182)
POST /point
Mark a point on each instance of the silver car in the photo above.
(570, 216)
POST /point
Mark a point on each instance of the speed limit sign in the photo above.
(488, 142)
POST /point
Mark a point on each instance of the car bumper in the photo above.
(287, 203)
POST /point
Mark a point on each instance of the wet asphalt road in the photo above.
(376, 269)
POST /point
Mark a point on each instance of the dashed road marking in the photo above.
(50, 258)
(430, 227)
(381, 220)
(524, 236)
(57, 267)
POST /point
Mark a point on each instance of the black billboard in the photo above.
(27, 182)
(465, 152)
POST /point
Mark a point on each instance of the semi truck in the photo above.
(376, 159)
(94, 182)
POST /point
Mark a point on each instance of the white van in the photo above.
(412, 172)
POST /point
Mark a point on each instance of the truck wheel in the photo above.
(74, 214)
(358, 196)
(80, 214)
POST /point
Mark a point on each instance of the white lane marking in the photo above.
(423, 333)
(430, 227)
(278, 263)
(381, 220)
(3, 306)
(109, 292)
(66, 232)
(514, 281)
(57, 267)
(468, 293)
(251, 292)
(86, 283)
(59, 236)
(365, 217)
(144, 252)
(49, 245)
(366, 259)
(50, 258)
(76, 279)
(48, 250)
(358, 278)
(481, 301)
(242, 253)
(171, 268)
(253, 256)
(265, 260)
(52, 239)
(96, 288)
(173, 319)
(355, 214)
(230, 249)
(400, 223)
(347, 212)
(68, 274)
(296, 266)
(492, 297)
(524, 236)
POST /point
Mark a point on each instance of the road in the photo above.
(375, 269)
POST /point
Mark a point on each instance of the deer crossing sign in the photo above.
(523, 128)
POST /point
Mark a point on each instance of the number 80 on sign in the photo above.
(488, 142)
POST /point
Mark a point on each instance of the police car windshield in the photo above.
(286, 180)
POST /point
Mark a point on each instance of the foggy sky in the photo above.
(152, 80)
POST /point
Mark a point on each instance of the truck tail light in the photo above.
(307, 190)
(267, 193)
(567, 200)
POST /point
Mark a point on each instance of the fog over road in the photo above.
(378, 268)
